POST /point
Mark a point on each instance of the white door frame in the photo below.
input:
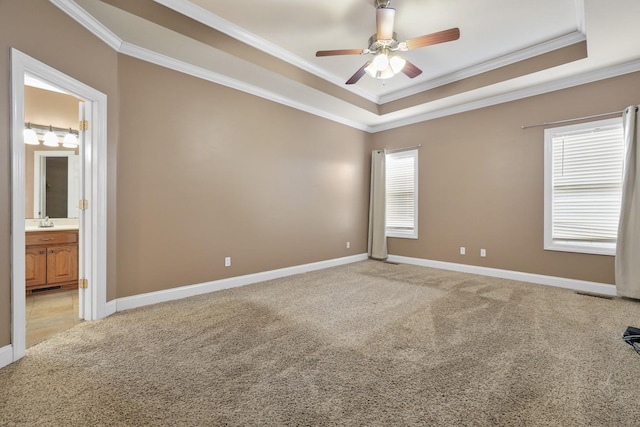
(93, 222)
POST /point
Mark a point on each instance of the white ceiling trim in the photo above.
(94, 26)
(580, 16)
(384, 122)
(521, 55)
(212, 20)
(540, 89)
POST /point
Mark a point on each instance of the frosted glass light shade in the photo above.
(397, 64)
(70, 141)
(380, 62)
(30, 137)
(50, 139)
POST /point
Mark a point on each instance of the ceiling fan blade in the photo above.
(434, 38)
(358, 75)
(411, 70)
(339, 52)
(384, 23)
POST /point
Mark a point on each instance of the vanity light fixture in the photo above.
(70, 140)
(50, 138)
(30, 136)
(51, 135)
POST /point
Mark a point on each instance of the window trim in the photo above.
(550, 244)
(413, 234)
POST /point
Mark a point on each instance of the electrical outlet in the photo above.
(462, 250)
(348, 245)
(483, 252)
(227, 261)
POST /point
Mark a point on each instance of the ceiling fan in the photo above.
(384, 46)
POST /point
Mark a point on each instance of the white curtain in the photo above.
(628, 244)
(377, 208)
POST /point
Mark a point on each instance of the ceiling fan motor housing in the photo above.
(376, 44)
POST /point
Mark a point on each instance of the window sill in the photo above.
(608, 249)
(403, 236)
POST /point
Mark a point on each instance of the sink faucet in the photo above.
(46, 222)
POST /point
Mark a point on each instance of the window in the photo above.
(402, 194)
(583, 186)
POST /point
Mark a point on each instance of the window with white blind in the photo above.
(583, 186)
(402, 194)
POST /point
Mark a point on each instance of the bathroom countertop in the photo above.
(31, 229)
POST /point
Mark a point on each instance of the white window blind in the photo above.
(584, 179)
(401, 194)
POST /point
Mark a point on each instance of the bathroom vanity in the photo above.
(51, 259)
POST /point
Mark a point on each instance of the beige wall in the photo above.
(42, 31)
(481, 182)
(45, 107)
(206, 172)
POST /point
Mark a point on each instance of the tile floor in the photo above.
(50, 313)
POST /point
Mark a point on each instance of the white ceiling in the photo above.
(489, 30)
(494, 33)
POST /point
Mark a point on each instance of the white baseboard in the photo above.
(110, 308)
(6, 355)
(127, 303)
(560, 282)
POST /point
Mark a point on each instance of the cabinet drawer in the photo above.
(51, 238)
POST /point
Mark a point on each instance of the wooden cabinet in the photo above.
(51, 260)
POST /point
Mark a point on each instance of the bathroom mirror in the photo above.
(55, 189)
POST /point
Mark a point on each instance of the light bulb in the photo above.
(70, 140)
(380, 62)
(50, 138)
(30, 137)
(397, 64)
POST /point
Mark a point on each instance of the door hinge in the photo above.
(83, 204)
(84, 125)
(83, 283)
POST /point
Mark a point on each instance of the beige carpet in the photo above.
(369, 344)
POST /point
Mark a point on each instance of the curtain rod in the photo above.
(391, 150)
(574, 120)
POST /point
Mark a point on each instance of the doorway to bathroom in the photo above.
(90, 231)
(52, 147)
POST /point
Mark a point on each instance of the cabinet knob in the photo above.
(46, 239)
(41, 252)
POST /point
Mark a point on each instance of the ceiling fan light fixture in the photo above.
(397, 64)
(379, 74)
(380, 62)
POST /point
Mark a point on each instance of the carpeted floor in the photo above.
(369, 343)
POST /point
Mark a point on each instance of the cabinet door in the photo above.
(36, 266)
(62, 264)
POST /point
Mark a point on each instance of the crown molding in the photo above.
(580, 19)
(540, 89)
(214, 21)
(211, 76)
(512, 58)
(85, 19)
(381, 124)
